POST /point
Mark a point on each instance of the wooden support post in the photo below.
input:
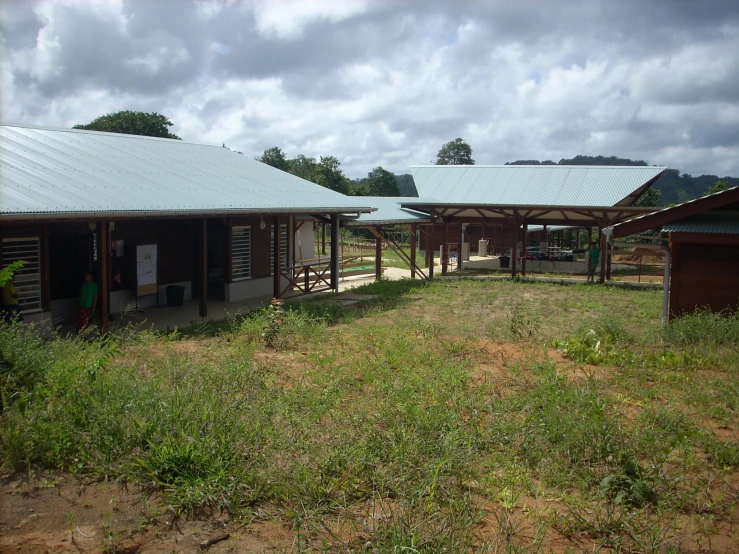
(430, 245)
(229, 252)
(603, 246)
(104, 237)
(276, 258)
(445, 249)
(413, 250)
(335, 252)
(323, 238)
(378, 254)
(514, 246)
(45, 271)
(525, 247)
(608, 261)
(203, 269)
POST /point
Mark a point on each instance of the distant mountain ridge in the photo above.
(675, 187)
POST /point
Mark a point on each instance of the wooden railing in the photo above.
(307, 277)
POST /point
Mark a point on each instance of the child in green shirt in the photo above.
(87, 301)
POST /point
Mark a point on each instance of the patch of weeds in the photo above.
(703, 327)
(523, 324)
(278, 326)
(194, 473)
(630, 485)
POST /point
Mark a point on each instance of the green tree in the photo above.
(329, 174)
(650, 198)
(456, 152)
(132, 123)
(380, 182)
(276, 158)
(303, 167)
(718, 187)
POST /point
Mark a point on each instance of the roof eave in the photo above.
(142, 214)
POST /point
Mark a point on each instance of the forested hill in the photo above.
(675, 187)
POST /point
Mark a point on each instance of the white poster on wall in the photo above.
(146, 269)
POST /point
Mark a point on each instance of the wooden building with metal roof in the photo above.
(142, 214)
(703, 269)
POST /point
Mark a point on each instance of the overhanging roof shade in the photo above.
(46, 173)
(711, 211)
(389, 212)
(712, 222)
(547, 194)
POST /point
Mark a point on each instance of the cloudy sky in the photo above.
(387, 83)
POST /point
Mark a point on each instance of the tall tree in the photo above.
(132, 123)
(456, 152)
(275, 157)
(303, 167)
(329, 174)
(650, 198)
(380, 182)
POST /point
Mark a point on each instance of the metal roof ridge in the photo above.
(104, 133)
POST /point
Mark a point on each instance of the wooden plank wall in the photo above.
(704, 275)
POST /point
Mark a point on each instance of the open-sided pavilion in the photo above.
(507, 199)
(390, 214)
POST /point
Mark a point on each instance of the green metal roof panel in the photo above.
(531, 185)
(711, 222)
(388, 212)
(46, 171)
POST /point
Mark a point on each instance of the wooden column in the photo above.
(229, 277)
(45, 272)
(413, 250)
(276, 261)
(323, 238)
(104, 237)
(430, 245)
(525, 247)
(378, 254)
(203, 269)
(445, 249)
(335, 252)
(603, 246)
(514, 246)
(608, 261)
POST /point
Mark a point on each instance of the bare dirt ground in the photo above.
(63, 515)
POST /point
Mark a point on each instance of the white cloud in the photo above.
(388, 84)
(287, 19)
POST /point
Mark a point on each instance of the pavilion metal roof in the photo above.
(389, 212)
(47, 172)
(534, 185)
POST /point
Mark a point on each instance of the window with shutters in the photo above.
(28, 278)
(241, 253)
(283, 248)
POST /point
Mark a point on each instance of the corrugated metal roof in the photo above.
(47, 171)
(531, 185)
(711, 222)
(388, 212)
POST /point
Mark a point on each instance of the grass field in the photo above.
(455, 416)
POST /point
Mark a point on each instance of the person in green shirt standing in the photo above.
(10, 309)
(593, 258)
(87, 301)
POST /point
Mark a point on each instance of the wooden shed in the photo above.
(704, 251)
